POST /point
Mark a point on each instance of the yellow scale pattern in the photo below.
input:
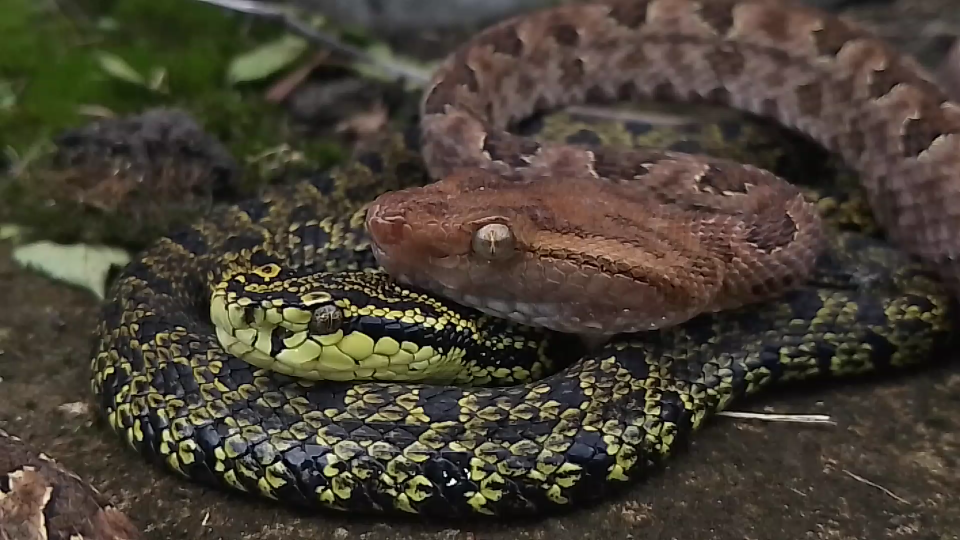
(228, 353)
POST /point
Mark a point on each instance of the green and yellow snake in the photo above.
(462, 413)
(519, 447)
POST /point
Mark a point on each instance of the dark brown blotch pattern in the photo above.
(918, 135)
(630, 14)
(855, 141)
(615, 164)
(501, 40)
(842, 90)
(572, 70)
(718, 14)
(810, 99)
(459, 75)
(717, 96)
(727, 62)
(628, 91)
(772, 234)
(510, 149)
(769, 108)
(832, 36)
(566, 34)
(718, 179)
(665, 91)
(770, 284)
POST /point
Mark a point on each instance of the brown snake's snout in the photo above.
(385, 229)
(398, 246)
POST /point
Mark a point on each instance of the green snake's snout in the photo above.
(345, 327)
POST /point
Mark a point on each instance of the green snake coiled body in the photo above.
(173, 394)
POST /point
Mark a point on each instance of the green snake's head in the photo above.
(362, 325)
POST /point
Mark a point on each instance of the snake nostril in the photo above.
(386, 231)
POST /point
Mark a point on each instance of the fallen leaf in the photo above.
(76, 408)
(10, 231)
(158, 80)
(117, 67)
(8, 98)
(77, 264)
(365, 123)
(107, 24)
(266, 59)
(96, 111)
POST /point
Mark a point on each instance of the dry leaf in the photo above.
(366, 123)
(266, 59)
(118, 68)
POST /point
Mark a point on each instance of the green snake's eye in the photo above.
(494, 242)
(326, 320)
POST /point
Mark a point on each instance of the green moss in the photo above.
(50, 59)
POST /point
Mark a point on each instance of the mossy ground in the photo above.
(48, 57)
(52, 78)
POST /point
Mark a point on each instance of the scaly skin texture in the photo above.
(174, 396)
(171, 391)
(688, 235)
(42, 499)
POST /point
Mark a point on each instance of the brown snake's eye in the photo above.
(494, 242)
(326, 320)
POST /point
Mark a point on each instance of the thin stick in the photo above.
(286, 15)
(769, 417)
(878, 486)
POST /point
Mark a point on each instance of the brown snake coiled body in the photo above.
(699, 235)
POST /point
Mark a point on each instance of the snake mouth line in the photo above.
(281, 339)
(345, 331)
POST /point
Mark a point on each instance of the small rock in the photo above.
(159, 156)
(131, 178)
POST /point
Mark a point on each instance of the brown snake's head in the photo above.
(440, 228)
(557, 253)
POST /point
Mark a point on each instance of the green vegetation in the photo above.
(55, 61)
(65, 62)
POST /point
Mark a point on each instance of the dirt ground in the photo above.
(887, 469)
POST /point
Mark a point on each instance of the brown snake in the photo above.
(551, 236)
